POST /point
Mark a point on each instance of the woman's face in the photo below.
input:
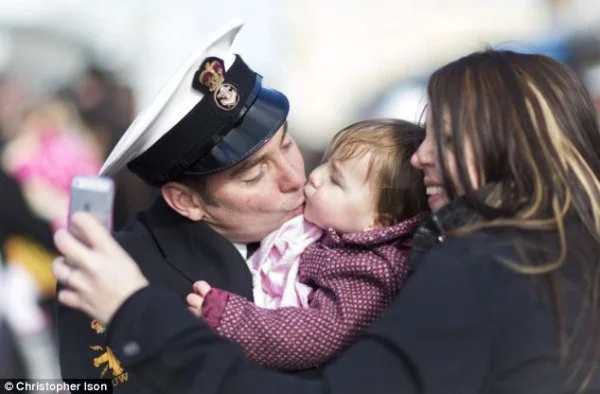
(426, 159)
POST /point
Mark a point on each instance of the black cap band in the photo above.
(212, 137)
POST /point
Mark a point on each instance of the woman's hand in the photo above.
(195, 300)
(98, 278)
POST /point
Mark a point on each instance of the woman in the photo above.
(504, 293)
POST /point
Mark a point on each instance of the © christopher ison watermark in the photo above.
(56, 386)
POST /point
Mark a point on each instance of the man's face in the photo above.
(258, 195)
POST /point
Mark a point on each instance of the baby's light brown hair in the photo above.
(398, 187)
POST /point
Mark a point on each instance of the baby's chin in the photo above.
(309, 217)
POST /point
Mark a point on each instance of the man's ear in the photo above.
(183, 200)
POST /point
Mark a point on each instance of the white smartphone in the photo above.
(92, 194)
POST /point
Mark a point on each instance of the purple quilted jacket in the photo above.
(355, 278)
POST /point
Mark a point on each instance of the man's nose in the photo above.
(292, 178)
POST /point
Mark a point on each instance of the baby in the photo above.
(363, 204)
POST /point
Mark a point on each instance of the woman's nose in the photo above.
(423, 155)
(414, 160)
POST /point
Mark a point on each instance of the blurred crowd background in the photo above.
(73, 74)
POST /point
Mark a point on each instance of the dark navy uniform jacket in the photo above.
(172, 253)
(464, 323)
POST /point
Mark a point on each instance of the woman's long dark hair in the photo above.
(534, 134)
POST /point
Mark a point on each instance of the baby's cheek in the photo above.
(314, 211)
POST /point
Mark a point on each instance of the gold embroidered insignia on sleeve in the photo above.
(107, 359)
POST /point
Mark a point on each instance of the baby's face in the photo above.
(339, 195)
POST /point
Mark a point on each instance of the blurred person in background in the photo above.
(106, 106)
(504, 293)
(32, 187)
(51, 147)
(45, 142)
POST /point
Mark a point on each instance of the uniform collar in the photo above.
(242, 248)
(186, 244)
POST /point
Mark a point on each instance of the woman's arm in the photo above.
(433, 339)
(164, 346)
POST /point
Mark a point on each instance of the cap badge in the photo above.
(225, 95)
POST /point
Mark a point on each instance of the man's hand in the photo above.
(195, 300)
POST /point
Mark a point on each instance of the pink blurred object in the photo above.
(59, 157)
